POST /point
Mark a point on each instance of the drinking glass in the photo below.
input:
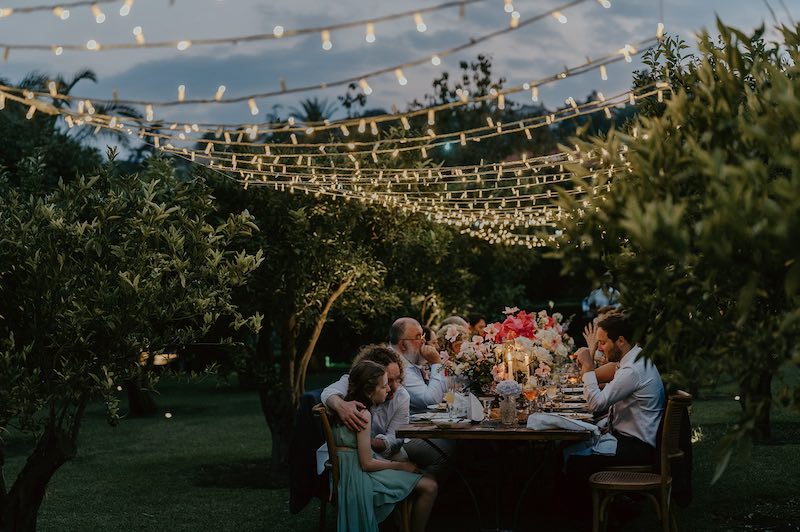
(450, 398)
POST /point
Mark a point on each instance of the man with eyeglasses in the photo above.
(407, 339)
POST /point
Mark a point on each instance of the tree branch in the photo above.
(300, 378)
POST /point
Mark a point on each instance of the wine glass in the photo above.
(530, 391)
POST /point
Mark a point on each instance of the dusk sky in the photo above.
(534, 51)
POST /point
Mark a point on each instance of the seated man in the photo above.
(387, 416)
(635, 399)
(407, 339)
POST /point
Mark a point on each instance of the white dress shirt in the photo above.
(386, 417)
(423, 394)
(635, 395)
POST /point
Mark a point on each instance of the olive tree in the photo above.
(701, 227)
(93, 273)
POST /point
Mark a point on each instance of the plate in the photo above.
(424, 416)
(455, 424)
(576, 389)
(439, 407)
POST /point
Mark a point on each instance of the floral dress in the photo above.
(366, 498)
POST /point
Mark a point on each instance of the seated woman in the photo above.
(369, 487)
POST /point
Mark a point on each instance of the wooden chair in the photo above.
(332, 467)
(656, 486)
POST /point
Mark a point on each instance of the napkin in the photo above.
(476, 412)
(545, 421)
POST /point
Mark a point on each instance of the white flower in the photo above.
(511, 310)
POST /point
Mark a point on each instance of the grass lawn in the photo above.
(205, 469)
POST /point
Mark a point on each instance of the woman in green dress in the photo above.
(369, 486)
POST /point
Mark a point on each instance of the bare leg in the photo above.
(425, 492)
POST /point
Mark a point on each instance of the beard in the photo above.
(614, 354)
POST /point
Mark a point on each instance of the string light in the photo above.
(534, 87)
(370, 36)
(605, 3)
(365, 86)
(326, 40)
(421, 27)
(559, 16)
(125, 10)
(61, 13)
(98, 14)
(183, 45)
(138, 34)
(509, 6)
(401, 78)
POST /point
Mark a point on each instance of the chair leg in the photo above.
(405, 516)
(665, 512)
(596, 517)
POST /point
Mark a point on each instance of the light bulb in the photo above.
(277, 31)
(370, 36)
(326, 40)
(421, 27)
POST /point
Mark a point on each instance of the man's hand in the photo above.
(349, 412)
(590, 335)
(585, 359)
(378, 445)
(430, 354)
(411, 467)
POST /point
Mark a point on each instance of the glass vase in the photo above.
(508, 410)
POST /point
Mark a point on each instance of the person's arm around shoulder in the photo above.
(367, 461)
(349, 412)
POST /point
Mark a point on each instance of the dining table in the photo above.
(492, 431)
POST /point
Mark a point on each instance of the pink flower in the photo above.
(543, 370)
(444, 356)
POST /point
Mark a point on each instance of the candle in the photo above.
(510, 375)
(527, 365)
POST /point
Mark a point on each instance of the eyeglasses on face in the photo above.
(417, 338)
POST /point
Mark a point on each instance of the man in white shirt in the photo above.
(634, 398)
(387, 416)
(408, 340)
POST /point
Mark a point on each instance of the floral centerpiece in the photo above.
(523, 344)
(508, 388)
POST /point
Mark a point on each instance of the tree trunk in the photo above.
(279, 414)
(20, 506)
(757, 403)
(140, 400)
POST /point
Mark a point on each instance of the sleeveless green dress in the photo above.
(366, 498)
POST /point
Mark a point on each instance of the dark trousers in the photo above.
(630, 451)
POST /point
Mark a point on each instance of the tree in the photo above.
(701, 230)
(93, 273)
(63, 152)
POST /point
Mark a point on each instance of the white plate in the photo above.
(440, 406)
